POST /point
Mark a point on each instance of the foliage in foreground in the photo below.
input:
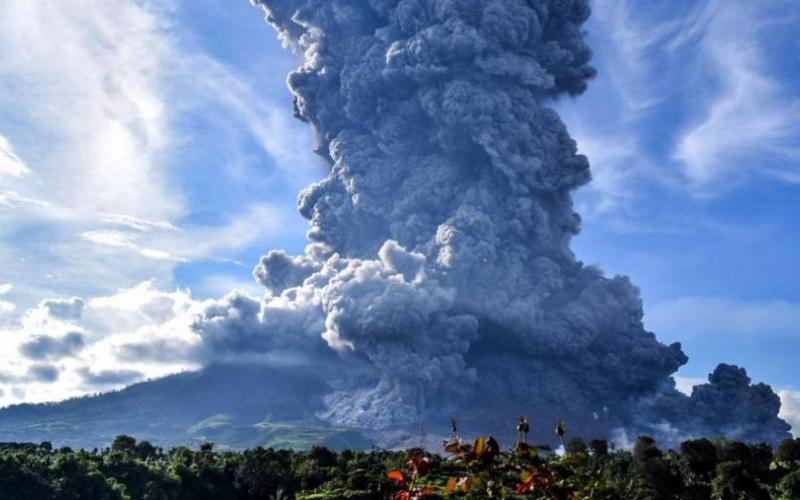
(700, 469)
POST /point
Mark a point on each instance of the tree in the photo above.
(732, 482)
(598, 448)
(145, 450)
(322, 456)
(76, 476)
(655, 477)
(18, 481)
(788, 453)
(700, 470)
(260, 473)
(789, 487)
(575, 445)
(124, 444)
(698, 459)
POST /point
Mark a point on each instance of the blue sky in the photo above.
(692, 130)
(148, 157)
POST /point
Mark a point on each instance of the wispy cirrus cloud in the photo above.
(691, 99)
(137, 223)
(99, 93)
(181, 244)
(5, 306)
(635, 40)
(10, 164)
(87, 93)
(750, 124)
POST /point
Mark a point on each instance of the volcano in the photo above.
(233, 406)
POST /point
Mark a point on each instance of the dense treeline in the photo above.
(700, 469)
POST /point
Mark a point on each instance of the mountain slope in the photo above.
(232, 406)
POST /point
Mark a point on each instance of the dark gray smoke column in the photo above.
(441, 270)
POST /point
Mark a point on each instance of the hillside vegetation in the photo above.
(235, 406)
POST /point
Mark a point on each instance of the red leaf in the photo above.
(418, 463)
(396, 476)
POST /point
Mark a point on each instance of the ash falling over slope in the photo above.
(439, 278)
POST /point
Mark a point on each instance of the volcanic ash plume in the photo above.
(439, 279)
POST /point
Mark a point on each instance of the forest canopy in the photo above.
(128, 469)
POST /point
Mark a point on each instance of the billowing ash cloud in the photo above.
(440, 276)
(734, 407)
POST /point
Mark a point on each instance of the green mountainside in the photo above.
(236, 407)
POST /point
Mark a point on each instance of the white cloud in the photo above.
(790, 409)
(126, 240)
(12, 199)
(691, 99)
(100, 89)
(134, 222)
(89, 86)
(217, 285)
(279, 134)
(105, 96)
(10, 164)
(632, 42)
(129, 310)
(700, 316)
(610, 122)
(159, 255)
(5, 306)
(168, 242)
(616, 163)
(686, 384)
(117, 339)
(110, 238)
(750, 125)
